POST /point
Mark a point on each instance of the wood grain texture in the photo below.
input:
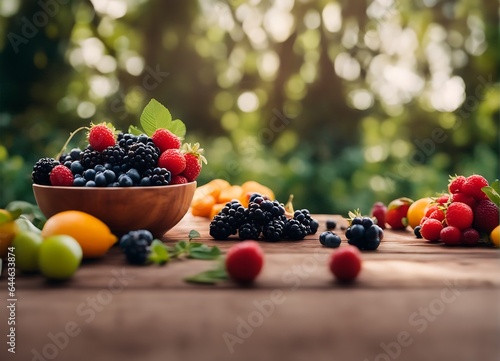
(412, 301)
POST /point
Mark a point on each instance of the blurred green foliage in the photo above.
(341, 103)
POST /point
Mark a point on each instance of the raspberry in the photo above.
(194, 159)
(165, 139)
(136, 244)
(379, 211)
(61, 176)
(431, 229)
(178, 179)
(464, 198)
(486, 216)
(456, 183)
(470, 237)
(437, 214)
(443, 199)
(472, 186)
(101, 136)
(459, 215)
(173, 160)
(244, 261)
(42, 169)
(450, 236)
(345, 263)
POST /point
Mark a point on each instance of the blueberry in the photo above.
(125, 181)
(90, 183)
(356, 220)
(372, 232)
(371, 245)
(114, 184)
(110, 176)
(357, 232)
(322, 237)
(134, 175)
(367, 222)
(108, 166)
(79, 182)
(99, 168)
(146, 181)
(416, 231)
(89, 174)
(67, 164)
(77, 167)
(75, 153)
(331, 240)
(100, 180)
(331, 224)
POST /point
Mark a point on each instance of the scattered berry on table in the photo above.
(331, 224)
(379, 211)
(100, 137)
(135, 245)
(244, 261)
(345, 263)
(165, 139)
(329, 239)
(42, 169)
(61, 176)
(416, 231)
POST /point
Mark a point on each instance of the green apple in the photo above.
(59, 257)
(26, 247)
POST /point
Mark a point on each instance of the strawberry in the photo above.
(345, 263)
(459, 215)
(244, 261)
(431, 230)
(456, 183)
(472, 186)
(194, 159)
(464, 198)
(470, 237)
(178, 179)
(450, 236)
(173, 160)
(100, 137)
(396, 213)
(61, 176)
(165, 139)
(486, 216)
(379, 211)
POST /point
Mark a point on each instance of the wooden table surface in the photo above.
(412, 301)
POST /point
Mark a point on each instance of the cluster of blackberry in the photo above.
(131, 162)
(262, 217)
(136, 246)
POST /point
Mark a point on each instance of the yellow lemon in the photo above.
(417, 211)
(495, 236)
(92, 234)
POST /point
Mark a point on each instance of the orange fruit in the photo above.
(202, 207)
(250, 187)
(216, 209)
(93, 235)
(230, 193)
(417, 211)
(495, 236)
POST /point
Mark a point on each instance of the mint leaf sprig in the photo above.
(156, 116)
(211, 276)
(160, 253)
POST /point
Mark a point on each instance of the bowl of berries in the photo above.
(142, 179)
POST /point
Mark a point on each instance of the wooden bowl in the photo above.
(156, 209)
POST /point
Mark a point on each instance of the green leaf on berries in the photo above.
(496, 185)
(177, 127)
(204, 252)
(492, 193)
(209, 277)
(155, 116)
(135, 130)
(159, 253)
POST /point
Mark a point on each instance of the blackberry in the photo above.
(249, 230)
(42, 169)
(136, 244)
(262, 211)
(141, 157)
(156, 177)
(126, 140)
(304, 217)
(273, 231)
(220, 228)
(89, 158)
(255, 195)
(113, 155)
(294, 230)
